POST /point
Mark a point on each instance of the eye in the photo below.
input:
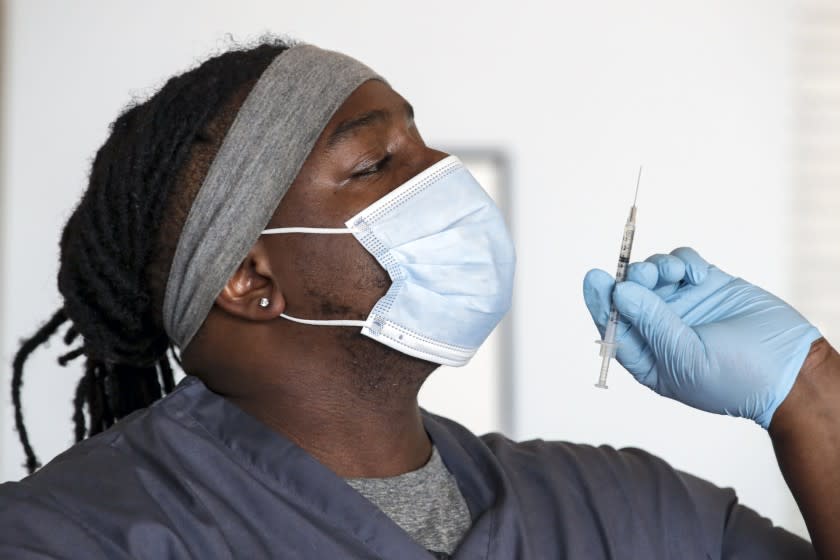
(374, 168)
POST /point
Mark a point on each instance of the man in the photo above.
(329, 262)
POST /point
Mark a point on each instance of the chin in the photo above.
(381, 370)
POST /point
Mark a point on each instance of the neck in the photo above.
(351, 435)
(352, 406)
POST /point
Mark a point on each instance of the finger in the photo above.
(634, 354)
(597, 294)
(671, 272)
(670, 269)
(672, 342)
(643, 273)
(696, 267)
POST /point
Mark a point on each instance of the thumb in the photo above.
(672, 342)
(597, 290)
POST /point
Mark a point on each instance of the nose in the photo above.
(420, 158)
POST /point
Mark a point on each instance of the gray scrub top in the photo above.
(194, 476)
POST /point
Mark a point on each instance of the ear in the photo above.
(253, 282)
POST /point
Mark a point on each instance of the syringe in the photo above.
(608, 345)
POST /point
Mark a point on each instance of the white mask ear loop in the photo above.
(325, 322)
(305, 230)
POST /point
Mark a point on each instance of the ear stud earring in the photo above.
(264, 302)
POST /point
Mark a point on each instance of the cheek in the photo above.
(324, 203)
(330, 276)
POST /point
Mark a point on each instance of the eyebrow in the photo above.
(347, 128)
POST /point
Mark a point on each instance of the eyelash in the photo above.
(375, 168)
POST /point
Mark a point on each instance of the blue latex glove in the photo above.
(693, 333)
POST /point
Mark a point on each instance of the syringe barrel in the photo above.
(624, 252)
(612, 325)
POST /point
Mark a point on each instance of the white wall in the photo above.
(578, 93)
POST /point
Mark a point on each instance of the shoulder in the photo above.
(629, 494)
(602, 473)
(635, 491)
(52, 513)
(34, 524)
(599, 500)
(633, 468)
(606, 474)
(88, 495)
(134, 447)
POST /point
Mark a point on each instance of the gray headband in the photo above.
(260, 156)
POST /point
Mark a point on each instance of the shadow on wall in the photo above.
(816, 203)
(3, 221)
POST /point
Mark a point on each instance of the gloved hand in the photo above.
(693, 333)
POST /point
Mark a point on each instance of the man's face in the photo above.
(370, 146)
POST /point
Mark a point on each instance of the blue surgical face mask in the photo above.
(451, 261)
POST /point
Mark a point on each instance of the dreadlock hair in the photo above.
(118, 245)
